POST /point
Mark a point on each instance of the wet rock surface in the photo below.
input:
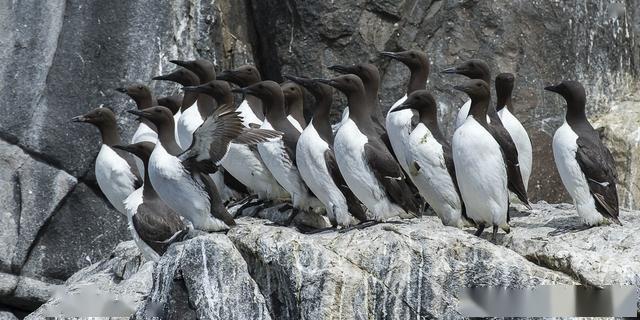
(408, 269)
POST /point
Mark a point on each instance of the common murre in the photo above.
(115, 175)
(504, 89)
(365, 162)
(190, 118)
(478, 69)
(153, 224)
(294, 104)
(480, 165)
(280, 155)
(431, 162)
(251, 107)
(400, 124)
(144, 98)
(243, 161)
(180, 178)
(585, 165)
(317, 163)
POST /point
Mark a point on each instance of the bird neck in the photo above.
(430, 120)
(504, 101)
(166, 135)
(478, 109)
(418, 80)
(321, 119)
(275, 109)
(206, 105)
(576, 111)
(296, 110)
(188, 100)
(147, 189)
(256, 106)
(359, 109)
(109, 133)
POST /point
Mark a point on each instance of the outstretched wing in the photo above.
(211, 140)
(596, 162)
(353, 203)
(390, 175)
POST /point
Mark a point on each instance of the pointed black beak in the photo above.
(226, 75)
(244, 90)
(162, 77)
(551, 88)
(388, 54)
(121, 89)
(138, 113)
(403, 106)
(301, 81)
(339, 68)
(460, 88)
(181, 63)
(121, 147)
(451, 70)
(197, 89)
(330, 82)
(79, 119)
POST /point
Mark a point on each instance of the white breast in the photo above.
(464, 112)
(131, 205)
(522, 141)
(114, 177)
(285, 172)
(399, 128)
(189, 121)
(180, 191)
(294, 122)
(143, 133)
(247, 166)
(481, 174)
(349, 150)
(247, 114)
(428, 171)
(574, 180)
(310, 157)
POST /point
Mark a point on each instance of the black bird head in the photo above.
(243, 76)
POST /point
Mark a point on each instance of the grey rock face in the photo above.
(408, 270)
(212, 274)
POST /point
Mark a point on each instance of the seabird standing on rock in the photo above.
(431, 162)
(143, 97)
(251, 107)
(280, 155)
(153, 224)
(190, 118)
(317, 162)
(181, 179)
(478, 69)
(480, 164)
(294, 104)
(243, 161)
(114, 174)
(504, 88)
(400, 124)
(370, 76)
(585, 165)
(365, 162)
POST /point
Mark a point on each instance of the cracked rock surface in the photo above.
(413, 269)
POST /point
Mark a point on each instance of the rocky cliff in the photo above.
(62, 58)
(411, 270)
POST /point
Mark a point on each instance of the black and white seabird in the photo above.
(153, 224)
(365, 162)
(504, 88)
(585, 165)
(190, 118)
(431, 162)
(400, 124)
(243, 161)
(280, 155)
(294, 104)
(480, 165)
(317, 162)
(251, 107)
(370, 76)
(144, 98)
(180, 178)
(114, 174)
(478, 69)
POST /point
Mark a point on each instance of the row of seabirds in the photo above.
(196, 152)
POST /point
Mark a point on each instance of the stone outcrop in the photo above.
(410, 269)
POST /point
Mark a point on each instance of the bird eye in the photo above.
(140, 87)
(412, 55)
